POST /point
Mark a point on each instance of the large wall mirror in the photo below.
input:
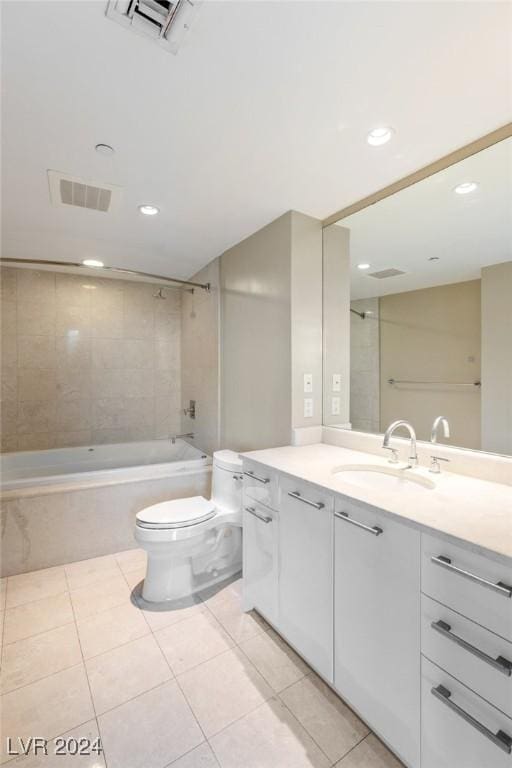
(421, 284)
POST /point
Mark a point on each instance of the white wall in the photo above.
(497, 358)
(336, 305)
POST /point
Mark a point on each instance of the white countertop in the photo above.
(476, 512)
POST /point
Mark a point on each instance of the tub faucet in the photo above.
(413, 458)
(173, 438)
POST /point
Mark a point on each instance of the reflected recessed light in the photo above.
(104, 149)
(92, 263)
(379, 136)
(466, 187)
(363, 266)
(149, 210)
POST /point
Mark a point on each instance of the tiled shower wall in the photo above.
(87, 360)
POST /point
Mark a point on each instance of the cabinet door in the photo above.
(260, 559)
(305, 573)
(377, 623)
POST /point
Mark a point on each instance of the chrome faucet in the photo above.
(413, 458)
(441, 420)
(173, 438)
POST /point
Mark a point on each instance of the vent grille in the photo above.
(384, 273)
(69, 190)
(165, 21)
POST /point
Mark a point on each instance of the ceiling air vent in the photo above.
(164, 21)
(70, 190)
(392, 272)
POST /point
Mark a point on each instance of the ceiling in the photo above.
(265, 108)
(429, 220)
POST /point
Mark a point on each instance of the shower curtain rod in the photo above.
(157, 278)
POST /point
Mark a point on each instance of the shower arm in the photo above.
(133, 272)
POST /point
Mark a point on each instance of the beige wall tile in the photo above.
(36, 416)
(36, 385)
(35, 318)
(88, 359)
(36, 351)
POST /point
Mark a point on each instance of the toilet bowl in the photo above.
(194, 543)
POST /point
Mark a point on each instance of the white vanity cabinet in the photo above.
(305, 572)
(260, 559)
(377, 623)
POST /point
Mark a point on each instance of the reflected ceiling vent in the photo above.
(70, 190)
(386, 273)
(164, 21)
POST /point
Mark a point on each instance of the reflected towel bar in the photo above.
(436, 383)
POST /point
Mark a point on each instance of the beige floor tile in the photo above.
(200, 757)
(112, 590)
(35, 585)
(150, 731)
(110, 628)
(35, 657)
(3, 592)
(268, 737)
(135, 577)
(241, 626)
(193, 641)
(230, 590)
(1, 629)
(60, 754)
(125, 672)
(370, 753)
(177, 611)
(131, 560)
(334, 727)
(48, 707)
(39, 616)
(223, 689)
(277, 662)
(91, 571)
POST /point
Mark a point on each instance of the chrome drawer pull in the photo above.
(263, 518)
(499, 588)
(315, 504)
(501, 739)
(257, 477)
(375, 530)
(501, 664)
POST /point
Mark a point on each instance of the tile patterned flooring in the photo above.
(201, 686)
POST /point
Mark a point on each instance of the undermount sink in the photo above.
(374, 476)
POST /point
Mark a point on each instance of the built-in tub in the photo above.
(68, 504)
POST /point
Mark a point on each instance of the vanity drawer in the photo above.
(459, 729)
(471, 584)
(478, 658)
(260, 483)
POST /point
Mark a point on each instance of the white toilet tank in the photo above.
(227, 481)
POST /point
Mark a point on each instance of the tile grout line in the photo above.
(86, 673)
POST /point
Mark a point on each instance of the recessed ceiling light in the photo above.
(379, 136)
(466, 187)
(92, 263)
(363, 266)
(104, 149)
(149, 210)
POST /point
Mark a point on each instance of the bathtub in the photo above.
(68, 504)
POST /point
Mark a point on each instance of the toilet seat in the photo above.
(179, 513)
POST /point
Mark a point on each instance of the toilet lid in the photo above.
(177, 513)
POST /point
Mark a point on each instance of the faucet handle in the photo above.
(435, 467)
(394, 454)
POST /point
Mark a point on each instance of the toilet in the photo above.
(193, 543)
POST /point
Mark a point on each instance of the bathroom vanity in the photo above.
(397, 592)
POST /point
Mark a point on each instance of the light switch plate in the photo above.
(336, 382)
(335, 406)
(308, 407)
(308, 382)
